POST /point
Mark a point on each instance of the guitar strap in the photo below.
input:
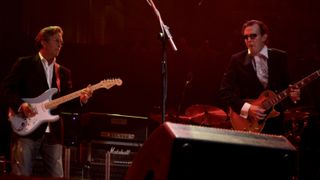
(56, 70)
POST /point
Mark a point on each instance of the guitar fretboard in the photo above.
(56, 102)
(285, 93)
(103, 84)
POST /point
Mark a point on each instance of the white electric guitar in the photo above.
(43, 104)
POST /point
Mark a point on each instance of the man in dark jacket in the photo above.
(29, 78)
(250, 73)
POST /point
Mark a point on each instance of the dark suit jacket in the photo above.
(27, 79)
(240, 81)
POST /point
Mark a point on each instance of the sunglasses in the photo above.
(252, 36)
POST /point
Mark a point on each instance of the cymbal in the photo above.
(299, 113)
(208, 115)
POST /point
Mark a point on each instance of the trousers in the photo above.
(25, 151)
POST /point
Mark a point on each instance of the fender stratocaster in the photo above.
(43, 104)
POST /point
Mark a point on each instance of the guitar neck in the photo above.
(285, 93)
(56, 102)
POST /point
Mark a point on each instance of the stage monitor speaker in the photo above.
(177, 151)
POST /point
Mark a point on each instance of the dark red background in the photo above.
(119, 38)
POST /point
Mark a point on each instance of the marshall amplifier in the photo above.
(97, 149)
(117, 164)
(109, 159)
(110, 142)
(104, 126)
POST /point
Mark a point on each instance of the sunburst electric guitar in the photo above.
(43, 104)
(266, 100)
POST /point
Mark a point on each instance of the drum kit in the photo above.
(296, 119)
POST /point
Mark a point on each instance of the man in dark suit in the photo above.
(30, 77)
(251, 72)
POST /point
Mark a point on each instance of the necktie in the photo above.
(262, 69)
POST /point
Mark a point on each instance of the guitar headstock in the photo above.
(108, 83)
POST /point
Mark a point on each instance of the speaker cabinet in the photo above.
(117, 164)
(177, 151)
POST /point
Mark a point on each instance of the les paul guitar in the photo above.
(267, 100)
(43, 104)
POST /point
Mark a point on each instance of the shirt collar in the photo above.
(44, 61)
(264, 51)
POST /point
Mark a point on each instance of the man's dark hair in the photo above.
(262, 26)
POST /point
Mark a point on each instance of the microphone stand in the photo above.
(165, 36)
